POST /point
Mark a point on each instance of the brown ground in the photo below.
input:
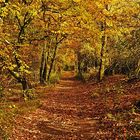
(73, 110)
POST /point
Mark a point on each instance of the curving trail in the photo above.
(66, 114)
(69, 112)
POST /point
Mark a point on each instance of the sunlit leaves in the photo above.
(76, 0)
(82, 21)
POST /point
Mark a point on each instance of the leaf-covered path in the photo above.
(70, 112)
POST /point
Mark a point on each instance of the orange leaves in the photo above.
(73, 44)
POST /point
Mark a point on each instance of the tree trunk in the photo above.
(102, 59)
(52, 62)
(43, 66)
(24, 83)
(103, 26)
(45, 71)
(46, 63)
(57, 42)
(80, 75)
(22, 80)
(102, 53)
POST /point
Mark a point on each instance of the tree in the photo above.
(16, 18)
(52, 18)
(113, 19)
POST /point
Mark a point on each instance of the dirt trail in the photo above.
(63, 115)
(69, 112)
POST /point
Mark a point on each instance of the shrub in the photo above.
(28, 94)
(54, 78)
(7, 114)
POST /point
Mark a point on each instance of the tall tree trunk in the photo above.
(102, 58)
(80, 75)
(57, 42)
(46, 63)
(45, 70)
(52, 62)
(43, 66)
(17, 73)
(103, 26)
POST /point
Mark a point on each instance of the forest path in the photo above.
(66, 113)
(73, 110)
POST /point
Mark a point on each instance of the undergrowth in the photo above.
(54, 78)
(7, 115)
(9, 110)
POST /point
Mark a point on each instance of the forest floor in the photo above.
(73, 110)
